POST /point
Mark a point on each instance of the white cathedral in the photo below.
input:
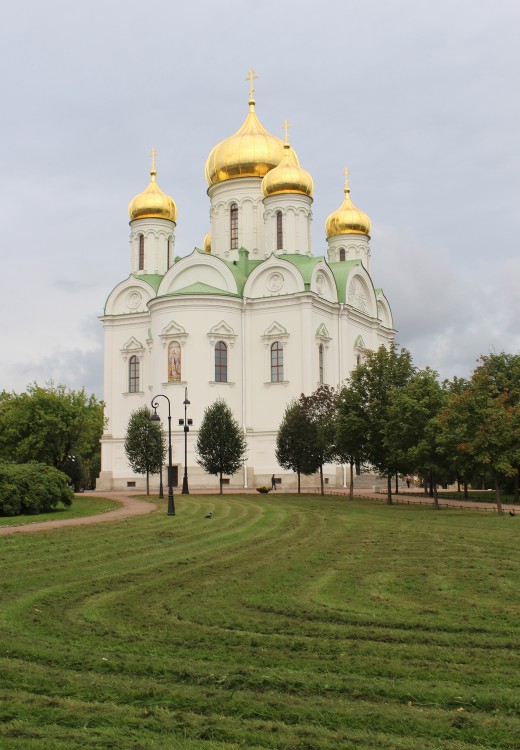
(253, 317)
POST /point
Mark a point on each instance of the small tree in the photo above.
(221, 443)
(144, 444)
(297, 443)
(351, 431)
(321, 408)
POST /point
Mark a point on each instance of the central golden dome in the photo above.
(250, 152)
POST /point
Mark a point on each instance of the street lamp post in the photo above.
(156, 418)
(185, 489)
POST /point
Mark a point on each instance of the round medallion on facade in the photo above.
(275, 282)
(133, 300)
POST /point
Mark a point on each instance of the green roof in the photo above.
(153, 279)
(200, 288)
(340, 271)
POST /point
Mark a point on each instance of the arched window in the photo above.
(220, 362)
(133, 374)
(174, 362)
(276, 362)
(141, 252)
(279, 231)
(233, 225)
(320, 363)
(342, 253)
(168, 250)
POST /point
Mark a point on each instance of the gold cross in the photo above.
(251, 77)
(346, 172)
(153, 154)
(286, 125)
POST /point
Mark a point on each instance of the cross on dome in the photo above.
(153, 154)
(251, 77)
(286, 125)
(346, 172)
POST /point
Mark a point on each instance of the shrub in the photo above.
(32, 488)
(263, 490)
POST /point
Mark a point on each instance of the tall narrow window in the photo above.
(220, 362)
(174, 362)
(342, 253)
(141, 252)
(320, 363)
(279, 231)
(133, 374)
(276, 362)
(233, 218)
(168, 250)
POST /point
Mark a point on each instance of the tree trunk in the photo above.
(220, 483)
(298, 483)
(147, 482)
(321, 480)
(351, 480)
(458, 484)
(389, 483)
(435, 494)
(516, 493)
(466, 495)
(500, 510)
(396, 483)
(431, 483)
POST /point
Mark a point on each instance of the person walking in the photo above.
(273, 483)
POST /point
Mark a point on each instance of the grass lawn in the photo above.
(82, 505)
(286, 623)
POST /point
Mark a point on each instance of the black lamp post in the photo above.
(185, 489)
(156, 418)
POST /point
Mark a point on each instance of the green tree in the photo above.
(412, 429)
(53, 425)
(485, 421)
(374, 385)
(145, 446)
(321, 408)
(221, 444)
(351, 431)
(503, 373)
(297, 442)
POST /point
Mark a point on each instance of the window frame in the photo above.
(279, 230)
(221, 362)
(277, 364)
(233, 226)
(141, 253)
(134, 374)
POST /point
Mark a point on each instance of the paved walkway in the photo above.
(131, 506)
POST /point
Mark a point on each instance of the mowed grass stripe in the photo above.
(281, 622)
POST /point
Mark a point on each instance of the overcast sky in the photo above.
(420, 100)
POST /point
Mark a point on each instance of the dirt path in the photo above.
(131, 506)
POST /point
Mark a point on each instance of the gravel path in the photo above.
(131, 506)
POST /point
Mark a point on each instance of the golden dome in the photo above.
(152, 203)
(288, 176)
(347, 219)
(207, 243)
(250, 152)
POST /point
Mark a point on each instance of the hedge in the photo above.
(32, 488)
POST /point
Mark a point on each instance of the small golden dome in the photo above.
(347, 219)
(152, 203)
(207, 243)
(288, 177)
(250, 152)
